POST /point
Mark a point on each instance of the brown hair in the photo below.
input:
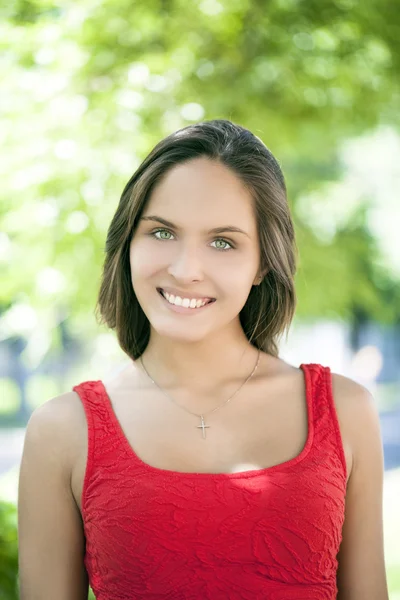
(270, 306)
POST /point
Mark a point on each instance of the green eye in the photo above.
(164, 233)
(222, 244)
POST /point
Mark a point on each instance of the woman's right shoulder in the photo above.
(59, 426)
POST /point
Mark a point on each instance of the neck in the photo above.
(199, 365)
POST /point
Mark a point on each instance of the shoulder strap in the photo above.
(327, 435)
(103, 437)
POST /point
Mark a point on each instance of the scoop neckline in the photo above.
(235, 475)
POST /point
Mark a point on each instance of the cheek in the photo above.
(146, 260)
(236, 281)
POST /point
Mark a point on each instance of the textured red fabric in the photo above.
(271, 533)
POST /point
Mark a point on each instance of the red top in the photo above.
(271, 533)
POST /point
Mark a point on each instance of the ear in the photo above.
(259, 277)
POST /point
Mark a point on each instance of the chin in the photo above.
(183, 334)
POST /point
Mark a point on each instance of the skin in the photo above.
(249, 432)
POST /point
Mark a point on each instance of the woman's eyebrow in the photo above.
(223, 229)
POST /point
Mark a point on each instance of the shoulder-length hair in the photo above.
(270, 306)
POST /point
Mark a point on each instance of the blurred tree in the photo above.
(90, 87)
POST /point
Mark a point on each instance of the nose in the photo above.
(186, 266)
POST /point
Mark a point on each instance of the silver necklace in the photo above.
(203, 425)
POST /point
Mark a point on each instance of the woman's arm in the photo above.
(361, 573)
(50, 531)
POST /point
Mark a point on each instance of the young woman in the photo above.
(208, 467)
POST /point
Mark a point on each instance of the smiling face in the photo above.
(195, 254)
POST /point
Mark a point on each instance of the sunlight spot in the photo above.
(65, 149)
(138, 74)
(211, 7)
(130, 99)
(77, 222)
(44, 56)
(19, 319)
(157, 83)
(46, 213)
(192, 111)
(50, 281)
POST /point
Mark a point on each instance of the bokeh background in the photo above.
(89, 87)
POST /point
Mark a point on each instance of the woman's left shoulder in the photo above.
(352, 398)
(358, 418)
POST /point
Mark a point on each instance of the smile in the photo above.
(187, 304)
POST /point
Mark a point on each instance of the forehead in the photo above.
(202, 190)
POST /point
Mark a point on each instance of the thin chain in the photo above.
(201, 415)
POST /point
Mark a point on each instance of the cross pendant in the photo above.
(203, 426)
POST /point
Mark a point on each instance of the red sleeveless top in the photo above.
(270, 533)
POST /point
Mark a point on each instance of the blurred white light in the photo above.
(157, 83)
(68, 107)
(20, 319)
(138, 73)
(65, 149)
(50, 281)
(130, 99)
(171, 121)
(44, 56)
(75, 15)
(106, 345)
(122, 162)
(38, 147)
(192, 111)
(46, 213)
(32, 175)
(128, 121)
(27, 80)
(71, 55)
(38, 344)
(77, 222)
(48, 84)
(211, 7)
(49, 33)
(367, 363)
(92, 192)
(5, 247)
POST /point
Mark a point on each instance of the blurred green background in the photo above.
(87, 90)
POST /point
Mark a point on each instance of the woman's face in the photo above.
(184, 247)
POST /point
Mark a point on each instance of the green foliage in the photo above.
(8, 552)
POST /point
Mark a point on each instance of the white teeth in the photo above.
(185, 302)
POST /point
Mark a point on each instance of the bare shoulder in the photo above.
(352, 399)
(358, 418)
(60, 425)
